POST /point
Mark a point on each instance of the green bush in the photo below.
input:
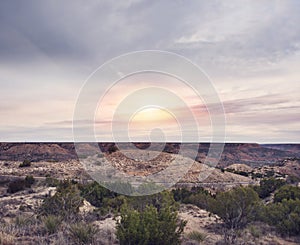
(20, 184)
(149, 226)
(160, 200)
(64, 203)
(25, 163)
(113, 204)
(269, 173)
(201, 200)
(256, 175)
(238, 172)
(82, 233)
(95, 193)
(197, 196)
(150, 220)
(52, 223)
(15, 186)
(52, 182)
(285, 216)
(105, 200)
(236, 207)
(112, 148)
(291, 179)
(180, 194)
(254, 231)
(287, 192)
(29, 179)
(267, 186)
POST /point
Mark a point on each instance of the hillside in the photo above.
(51, 162)
(37, 151)
(134, 167)
(250, 154)
(294, 148)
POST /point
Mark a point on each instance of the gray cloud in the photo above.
(249, 49)
(239, 36)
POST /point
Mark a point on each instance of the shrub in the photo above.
(113, 204)
(25, 163)
(102, 198)
(112, 148)
(197, 236)
(180, 194)
(95, 193)
(285, 216)
(20, 184)
(29, 179)
(21, 221)
(255, 231)
(149, 226)
(15, 186)
(82, 233)
(291, 179)
(236, 207)
(197, 196)
(52, 223)
(238, 172)
(269, 173)
(64, 203)
(201, 198)
(257, 175)
(52, 182)
(287, 192)
(243, 173)
(267, 186)
(160, 200)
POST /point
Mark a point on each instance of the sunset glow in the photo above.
(253, 63)
(150, 115)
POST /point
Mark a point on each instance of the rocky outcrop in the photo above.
(253, 155)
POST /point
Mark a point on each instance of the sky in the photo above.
(249, 49)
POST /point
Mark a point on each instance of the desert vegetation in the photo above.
(77, 213)
(54, 202)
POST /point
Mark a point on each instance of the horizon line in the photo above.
(169, 142)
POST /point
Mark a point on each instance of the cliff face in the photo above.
(294, 148)
(251, 154)
(37, 151)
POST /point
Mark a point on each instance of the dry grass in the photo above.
(197, 236)
(52, 223)
(83, 233)
(6, 239)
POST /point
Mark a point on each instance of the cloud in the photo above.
(250, 50)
